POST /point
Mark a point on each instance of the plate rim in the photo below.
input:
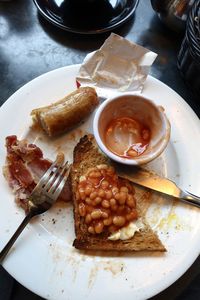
(9, 102)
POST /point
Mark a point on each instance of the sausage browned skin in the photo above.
(66, 113)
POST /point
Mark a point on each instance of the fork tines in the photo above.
(58, 181)
(54, 179)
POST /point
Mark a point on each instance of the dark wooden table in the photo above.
(30, 46)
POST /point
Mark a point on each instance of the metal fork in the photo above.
(42, 198)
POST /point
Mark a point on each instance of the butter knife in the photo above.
(157, 183)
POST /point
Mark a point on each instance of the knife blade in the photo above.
(153, 181)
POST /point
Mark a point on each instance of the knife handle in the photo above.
(190, 198)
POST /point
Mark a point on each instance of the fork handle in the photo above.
(12, 240)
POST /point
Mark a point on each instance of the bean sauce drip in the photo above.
(106, 202)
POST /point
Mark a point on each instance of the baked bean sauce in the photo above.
(127, 137)
(106, 202)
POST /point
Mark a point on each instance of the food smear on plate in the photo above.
(25, 165)
(127, 137)
(66, 113)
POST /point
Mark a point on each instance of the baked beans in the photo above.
(88, 219)
(106, 202)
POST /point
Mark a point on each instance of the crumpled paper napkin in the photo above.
(118, 66)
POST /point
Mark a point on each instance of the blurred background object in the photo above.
(173, 13)
(87, 16)
(189, 54)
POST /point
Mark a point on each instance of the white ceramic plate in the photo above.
(43, 259)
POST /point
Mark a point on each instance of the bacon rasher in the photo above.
(24, 166)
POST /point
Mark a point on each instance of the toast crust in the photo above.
(87, 155)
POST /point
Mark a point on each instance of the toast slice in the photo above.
(87, 155)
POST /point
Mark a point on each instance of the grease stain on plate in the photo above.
(51, 147)
(113, 267)
(166, 217)
(173, 221)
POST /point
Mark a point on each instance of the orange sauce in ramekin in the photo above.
(127, 137)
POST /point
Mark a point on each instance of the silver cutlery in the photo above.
(42, 198)
(157, 183)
